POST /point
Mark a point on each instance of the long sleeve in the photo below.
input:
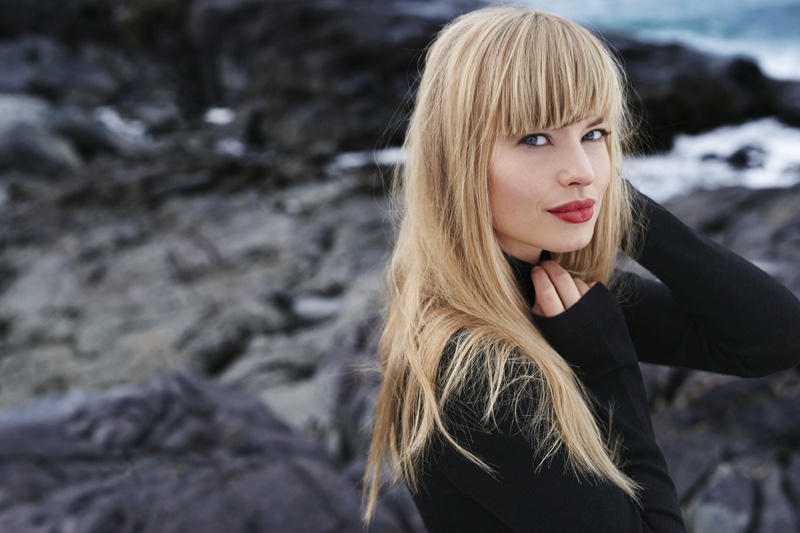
(714, 310)
(592, 336)
(459, 496)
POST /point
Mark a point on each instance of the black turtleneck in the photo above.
(712, 311)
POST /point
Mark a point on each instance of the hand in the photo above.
(556, 290)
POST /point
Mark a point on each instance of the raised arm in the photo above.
(714, 311)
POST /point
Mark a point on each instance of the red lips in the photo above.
(574, 212)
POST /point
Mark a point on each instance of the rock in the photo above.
(175, 454)
(712, 217)
(22, 109)
(761, 225)
(679, 89)
(29, 373)
(69, 20)
(192, 258)
(16, 58)
(692, 458)
(777, 515)
(727, 504)
(747, 157)
(311, 308)
(793, 476)
(215, 342)
(42, 66)
(767, 419)
(658, 382)
(349, 75)
(788, 103)
(746, 412)
(318, 378)
(8, 274)
(87, 136)
(348, 380)
(36, 151)
(73, 81)
(158, 117)
(37, 139)
(394, 497)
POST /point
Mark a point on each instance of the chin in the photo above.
(571, 245)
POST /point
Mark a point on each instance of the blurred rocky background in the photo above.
(193, 227)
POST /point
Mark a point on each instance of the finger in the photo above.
(547, 303)
(582, 286)
(563, 283)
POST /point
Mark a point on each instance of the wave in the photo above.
(757, 154)
(765, 30)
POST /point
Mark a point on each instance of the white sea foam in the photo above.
(700, 160)
(219, 116)
(124, 127)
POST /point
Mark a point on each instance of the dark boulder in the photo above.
(34, 150)
(176, 454)
(678, 89)
(67, 20)
(727, 504)
(321, 71)
(787, 103)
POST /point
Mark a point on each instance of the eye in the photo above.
(536, 139)
(595, 135)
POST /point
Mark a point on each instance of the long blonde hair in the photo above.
(492, 72)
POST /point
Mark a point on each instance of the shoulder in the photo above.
(479, 394)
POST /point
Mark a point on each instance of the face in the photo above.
(546, 188)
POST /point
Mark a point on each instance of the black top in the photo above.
(714, 311)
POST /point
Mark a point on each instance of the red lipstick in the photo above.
(574, 212)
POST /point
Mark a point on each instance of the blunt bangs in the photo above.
(555, 73)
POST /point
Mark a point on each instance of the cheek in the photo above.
(602, 185)
(513, 202)
(505, 193)
(512, 182)
(602, 169)
(501, 188)
(604, 182)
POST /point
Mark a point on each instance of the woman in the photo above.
(512, 398)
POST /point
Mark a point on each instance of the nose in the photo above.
(576, 168)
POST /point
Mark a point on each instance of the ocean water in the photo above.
(766, 30)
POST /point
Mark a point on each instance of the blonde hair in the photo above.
(492, 72)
